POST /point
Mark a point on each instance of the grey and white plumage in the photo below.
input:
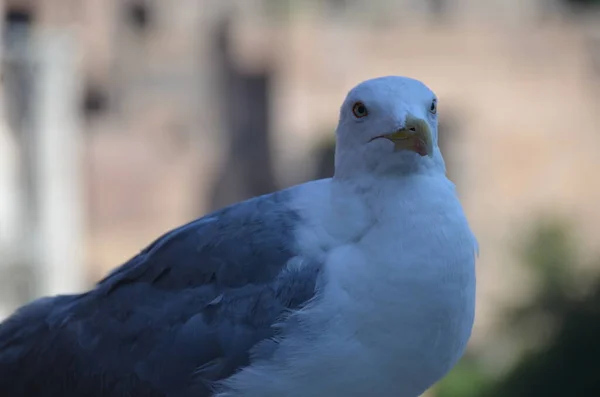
(358, 285)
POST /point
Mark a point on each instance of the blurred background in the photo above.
(121, 119)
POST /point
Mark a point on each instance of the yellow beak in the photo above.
(415, 136)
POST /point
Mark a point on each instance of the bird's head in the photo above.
(388, 125)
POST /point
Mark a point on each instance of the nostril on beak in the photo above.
(412, 129)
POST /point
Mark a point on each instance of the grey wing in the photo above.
(182, 314)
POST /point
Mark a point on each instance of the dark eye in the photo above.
(360, 110)
(433, 107)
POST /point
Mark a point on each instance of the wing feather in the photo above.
(183, 313)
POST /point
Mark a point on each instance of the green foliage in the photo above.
(582, 3)
(465, 380)
(551, 254)
(567, 365)
(566, 361)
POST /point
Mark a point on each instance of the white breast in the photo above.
(406, 290)
(397, 304)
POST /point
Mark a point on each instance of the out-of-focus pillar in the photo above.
(57, 145)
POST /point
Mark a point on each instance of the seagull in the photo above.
(358, 285)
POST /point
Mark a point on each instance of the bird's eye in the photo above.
(433, 106)
(360, 110)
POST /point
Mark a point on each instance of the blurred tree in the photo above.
(559, 326)
(568, 365)
(466, 379)
(565, 361)
(580, 5)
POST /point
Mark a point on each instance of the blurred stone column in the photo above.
(57, 145)
(17, 283)
(247, 169)
(8, 165)
(8, 190)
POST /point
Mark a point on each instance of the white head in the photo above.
(388, 125)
